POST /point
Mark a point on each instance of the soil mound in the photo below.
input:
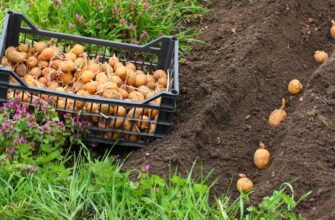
(254, 48)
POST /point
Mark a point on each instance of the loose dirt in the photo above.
(254, 48)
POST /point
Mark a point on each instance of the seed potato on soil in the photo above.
(238, 78)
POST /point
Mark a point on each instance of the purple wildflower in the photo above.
(45, 129)
(71, 26)
(144, 35)
(10, 150)
(19, 140)
(93, 144)
(44, 106)
(7, 125)
(17, 116)
(30, 169)
(80, 19)
(67, 116)
(145, 6)
(32, 124)
(57, 2)
(145, 168)
(132, 27)
(135, 42)
(123, 21)
(187, 62)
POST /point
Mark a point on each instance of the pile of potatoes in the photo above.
(44, 65)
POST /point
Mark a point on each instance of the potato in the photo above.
(152, 128)
(120, 111)
(23, 48)
(107, 68)
(70, 56)
(70, 104)
(106, 109)
(92, 107)
(127, 125)
(144, 90)
(150, 78)
(113, 60)
(43, 80)
(46, 54)
(77, 49)
(121, 72)
(78, 85)
(140, 80)
(60, 104)
(87, 76)
(162, 81)
(67, 66)
(123, 92)
(15, 56)
(55, 64)
(130, 89)
(94, 67)
(60, 89)
(21, 69)
(113, 135)
(57, 54)
(101, 77)
(150, 94)
(111, 94)
(151, 85)
(102, 123)
(136, 96)
(91, 87)
(159, 74)
(144, 123)
(135, 113)
(117, 80)
(139, 72)
(66, 78)
(5, 61)
(53, 85)
(80, 63)
(69, 89)
(105, 86)
(25, 97)
(131, 77)
(151, 112)
(42, 64)
(39, 46)
(49, 72)
(116, 123)
(27, 78)
(82, 92)
(36, 72)
(32, 62)
(131, 66)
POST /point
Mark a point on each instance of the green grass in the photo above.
(97, 189)
(118, 20)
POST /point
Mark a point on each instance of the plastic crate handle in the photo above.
(22, 17)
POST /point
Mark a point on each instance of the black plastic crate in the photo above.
(111, 128)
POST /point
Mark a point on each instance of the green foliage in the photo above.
(33, 138)
(98, 189)
(278, 206)
(118, 20)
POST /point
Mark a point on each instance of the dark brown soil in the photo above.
(232, 84)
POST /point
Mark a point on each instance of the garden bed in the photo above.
(254, 48)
